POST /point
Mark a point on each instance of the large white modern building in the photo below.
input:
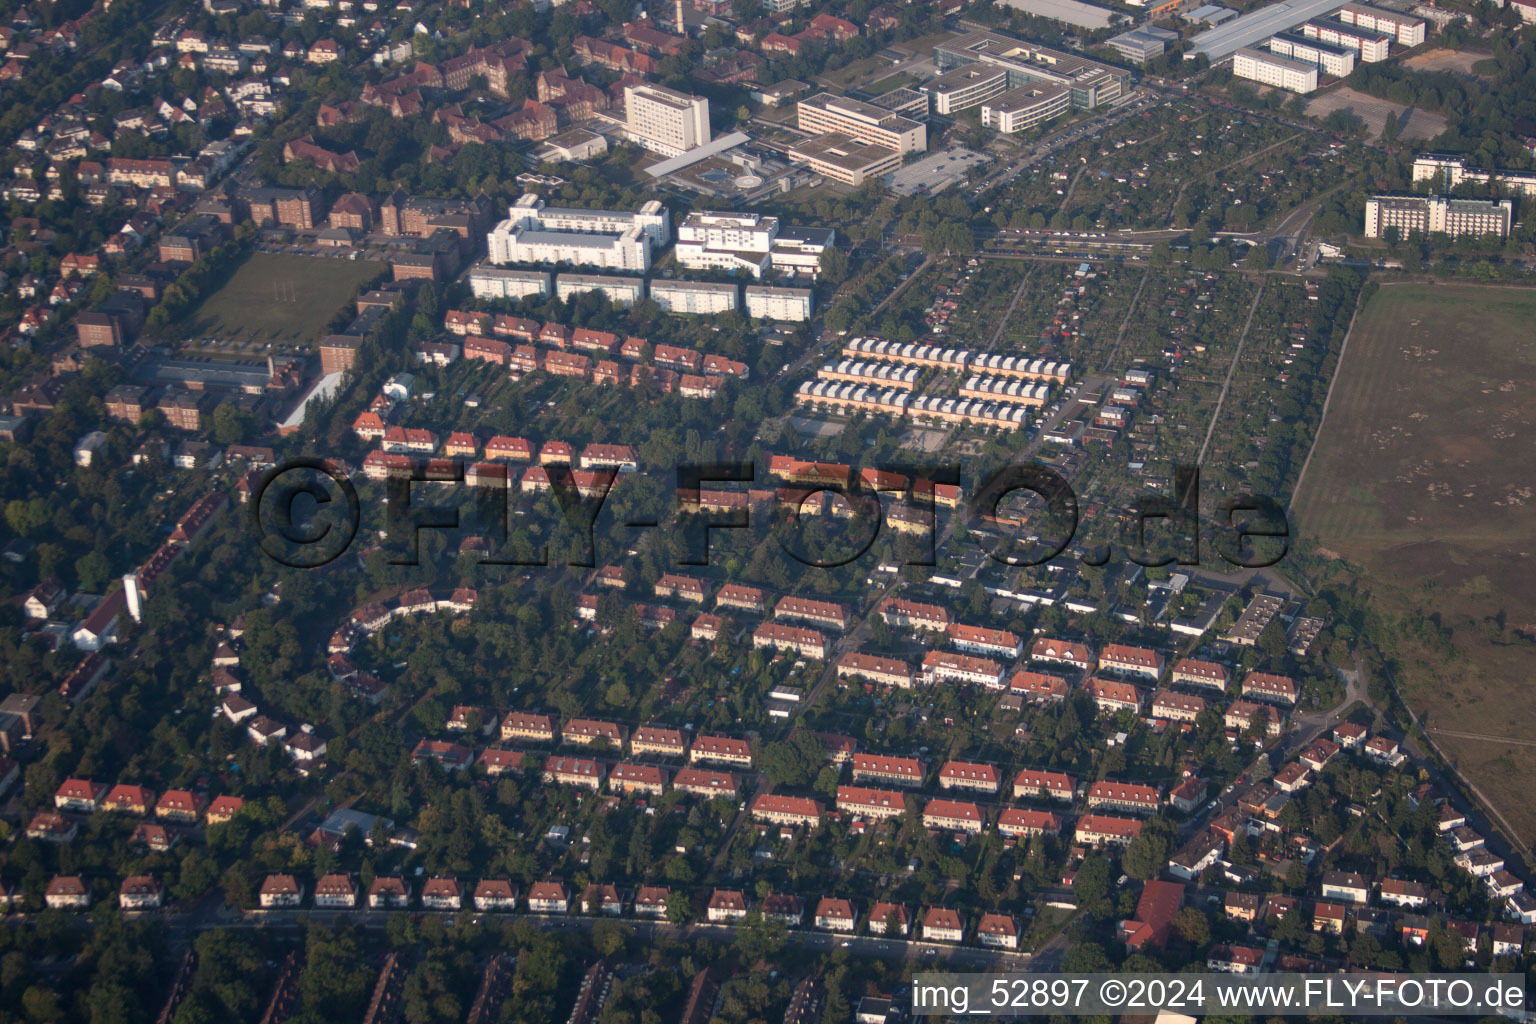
(1272, 69)
(969, 85)
(1092, 84)
(664, 120)
(1427, 166)
(1407, 29)
(798, 250)
(699, 297)
(1337, 61)
(1431, 215)
(863, 122)
(767, 303)
(504, 283)
(1023, 108)
(726, 241)
(536, 233)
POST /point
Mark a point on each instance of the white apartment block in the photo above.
(1431, 215)
(1272, 69)
(535, 233)
(968, 85)
(727, 241)
(502, 283)
(664, 120)
(798, 250)
(1370, 44)
(1337, 61)
(697, 297)
(863, 122)
(1427, 165)
(1405, 28)
(1023, 108)
(621, 291)
(768, 303)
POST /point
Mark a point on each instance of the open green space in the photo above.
(1421, 482)
(279, 298)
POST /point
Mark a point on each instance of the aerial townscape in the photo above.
(705, 511)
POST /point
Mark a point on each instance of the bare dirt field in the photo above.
(1458, 62)
(1423, 480)
(1374, 112)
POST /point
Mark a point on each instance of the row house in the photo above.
(1037, 686)
(786, 810)
(573, 771)
(949, 666)
(650, 739)
(1192, 672)
(1023, 822)
(684, 588)
(1062, 652)
(520, 725)
(706, 783)
(586, 731)
(1267, 686)
(1106, 830)
(1043, 785)
(880, 670)
(805, 642)
(822, 613)
(720, 750)
(637, 778)
(1124, 796)
(734, 595)
(1176, 707)
(981, 640)
(954, 816)
(905, 614)
(588, 340)
(674, 358)
(876, 804)
(1135, 661)
(1114, 696)
(903, 771)
(965, 775)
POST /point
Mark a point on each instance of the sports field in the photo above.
(1424, 478)
(279, 298)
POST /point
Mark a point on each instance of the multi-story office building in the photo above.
(798, 250)
(862, 122)
(1027, 106)
(665, 120)
(1426, 166)
(726, 241)
(1144, 43)
(1407, 29)
(535, 233)
(843, 158)
(968, 85)
(1337, 61)
(1371, 45)
(1273, 69)
(1431, 215)
(1092, 84)
(701, 297)
(778, 303)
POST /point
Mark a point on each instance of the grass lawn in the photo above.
(283, 299)
(889, 83)
(846, 76)
(1422, 479)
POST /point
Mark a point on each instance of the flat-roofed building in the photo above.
(843, 157)
(1026, 107)
(966, 86)
(487, 282)
(1337, 61)
(1433, 215)
(621, 291)
(726, 241)
(1092, 83)
(1453, 170)
(1372, 46)
(1272, 69)
(770, 303)
(700, 298)
(1407, 29)
(664, 120)
(825, 113)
